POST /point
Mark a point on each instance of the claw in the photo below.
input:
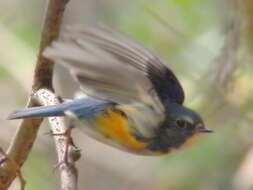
(69, 142)
(56, 166)
(48, 133)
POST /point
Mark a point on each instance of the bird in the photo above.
(133, 101)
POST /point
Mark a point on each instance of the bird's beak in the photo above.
(203, 129)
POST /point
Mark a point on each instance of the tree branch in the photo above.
(23, 141)
(68, 170)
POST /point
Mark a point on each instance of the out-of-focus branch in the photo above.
(68, 170)
(22, 142)
(247, 7)
(244, 175)
(227, 60)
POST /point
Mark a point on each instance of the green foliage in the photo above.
(28, 33)
(3, 73)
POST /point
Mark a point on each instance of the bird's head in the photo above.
(180, 124)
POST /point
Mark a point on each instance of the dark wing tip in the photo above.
(165, 83)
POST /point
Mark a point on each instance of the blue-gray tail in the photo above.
(81, 108)
(41, 111)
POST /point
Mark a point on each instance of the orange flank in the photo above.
(115, 126)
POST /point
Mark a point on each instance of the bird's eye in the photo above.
(181, 123)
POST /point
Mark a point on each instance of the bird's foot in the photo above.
(68, 143)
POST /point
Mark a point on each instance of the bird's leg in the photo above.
(15, 167)
(69, 142)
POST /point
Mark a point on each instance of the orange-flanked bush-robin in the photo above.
(134, 101)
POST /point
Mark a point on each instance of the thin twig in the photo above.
(227, 60)
(68, 170)
(23, 141)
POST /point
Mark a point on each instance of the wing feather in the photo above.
(110, 65)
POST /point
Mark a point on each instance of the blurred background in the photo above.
(207, 43)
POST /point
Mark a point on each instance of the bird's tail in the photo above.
(83, 108)
(41, 111)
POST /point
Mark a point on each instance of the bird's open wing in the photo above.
(110, 65)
